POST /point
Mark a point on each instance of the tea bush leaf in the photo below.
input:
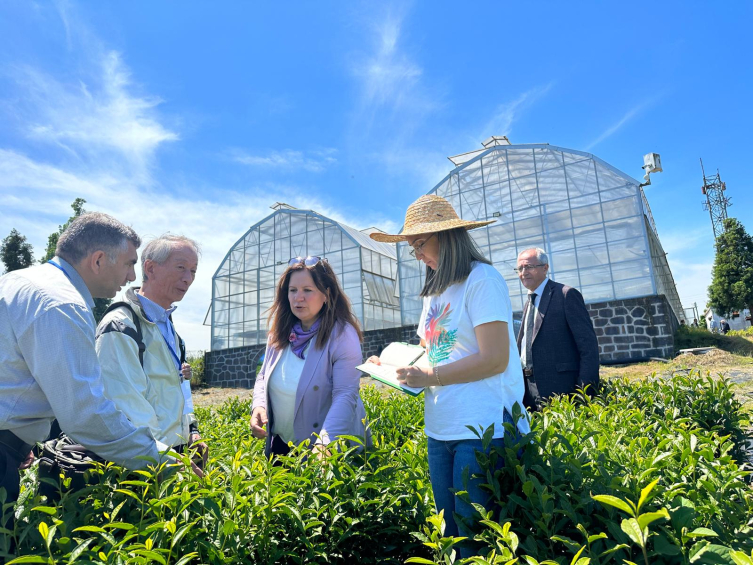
(614, 501)
(649, 517)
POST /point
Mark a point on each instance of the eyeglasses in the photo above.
(309, 261)
(527, 268)
(420, 248)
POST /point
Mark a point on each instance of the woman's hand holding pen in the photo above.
(416, 376)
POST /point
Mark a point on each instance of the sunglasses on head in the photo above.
(309, 261)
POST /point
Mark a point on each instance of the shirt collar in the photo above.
(76, 280)
(153, 311)
(540, 289)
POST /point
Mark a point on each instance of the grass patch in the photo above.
(686, 338)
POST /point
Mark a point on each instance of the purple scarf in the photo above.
(299, 338)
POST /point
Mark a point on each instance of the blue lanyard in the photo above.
(169, 325)
(51, 262)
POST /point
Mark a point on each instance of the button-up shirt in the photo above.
(49, 368)
(161, 317)
(536, 301)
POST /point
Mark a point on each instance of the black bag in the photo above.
(63, 456)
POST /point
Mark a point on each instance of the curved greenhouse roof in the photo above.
(593, 221)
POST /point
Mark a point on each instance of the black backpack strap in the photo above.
(119, 326)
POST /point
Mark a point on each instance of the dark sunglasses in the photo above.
(309, 261)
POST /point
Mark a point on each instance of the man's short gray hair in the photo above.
(540, 255)
(95, 231)
(158, 250)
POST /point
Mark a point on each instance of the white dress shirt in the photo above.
(536, 301)
(49, 368)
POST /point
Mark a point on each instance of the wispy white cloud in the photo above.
(95, 120)
(507, 113)
(393, 97)
(388, 75)
(629, 115)
(288, 159)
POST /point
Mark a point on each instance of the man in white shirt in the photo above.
(48, 364)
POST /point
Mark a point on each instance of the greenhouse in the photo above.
(593, 221)
(244, 284)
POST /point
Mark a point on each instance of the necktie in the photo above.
(530, 316)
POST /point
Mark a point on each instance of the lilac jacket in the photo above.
(327, 402)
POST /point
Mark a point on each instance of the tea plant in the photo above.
(647, 472)
(569, 497)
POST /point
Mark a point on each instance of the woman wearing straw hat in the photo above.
(475, 378)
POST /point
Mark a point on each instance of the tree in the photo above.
(100, 304)
(732, 277)
(15, 253)
(52, 241)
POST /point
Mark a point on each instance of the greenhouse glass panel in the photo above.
(592, 256)
(597, 292)
(623, 229)
(587, 215)
(630, 270)
(561, 241)
(590, 235)
(298, 245)
(622, 208)
(251, 260)
(569, 278)
(633, 288)
(558, 221)
(627, 249)
(335, 260)
(595, 275)
(501, 231)
(563, 261)
(266, 253)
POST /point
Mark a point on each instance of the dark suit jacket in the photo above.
(564, 350)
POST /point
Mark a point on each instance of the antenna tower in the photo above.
(716, 201)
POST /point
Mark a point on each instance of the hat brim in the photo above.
(429, 227)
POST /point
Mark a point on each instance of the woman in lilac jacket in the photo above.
(308, 385)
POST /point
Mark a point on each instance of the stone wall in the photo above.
(634, 329)
(236, 368)
(375, 341)
(232, 368)
(627, 330)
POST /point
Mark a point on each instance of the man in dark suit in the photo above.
(557, 342)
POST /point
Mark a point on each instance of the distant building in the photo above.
(738, 320)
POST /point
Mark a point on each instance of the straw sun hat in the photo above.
(429, 214)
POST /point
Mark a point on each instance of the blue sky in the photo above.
(194, 117)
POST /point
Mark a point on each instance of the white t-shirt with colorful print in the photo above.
(447, 326)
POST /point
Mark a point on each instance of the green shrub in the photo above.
(688, 337)
(196, 360)
(350, 508)
(672, 447)
(747, 332)
(650, 471)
